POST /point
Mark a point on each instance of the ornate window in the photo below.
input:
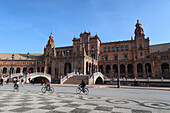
(126, 48)
(108, 49)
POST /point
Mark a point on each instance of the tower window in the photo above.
(108, 49)
(117, 48)
(104, 49)
(126, 48)
(141, 54)
(121, 48)
(113, 49)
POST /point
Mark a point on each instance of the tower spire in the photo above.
(85, 27)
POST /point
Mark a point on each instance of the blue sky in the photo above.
(25, 25)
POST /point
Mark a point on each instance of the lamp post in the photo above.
(11, 67)
(118, 80)
(92, 59)
(27, 67)
(67, 62)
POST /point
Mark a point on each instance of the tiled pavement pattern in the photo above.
(31, 102)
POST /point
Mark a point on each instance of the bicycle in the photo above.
(44, 89)
(79, 90)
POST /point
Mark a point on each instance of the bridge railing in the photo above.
(39, 73)
(67, 77)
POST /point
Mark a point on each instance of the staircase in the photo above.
(76, 79)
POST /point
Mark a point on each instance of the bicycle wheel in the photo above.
(78, 90)
(43, 89)
(51, 90)
(86, 91)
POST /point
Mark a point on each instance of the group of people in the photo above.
(2, 80)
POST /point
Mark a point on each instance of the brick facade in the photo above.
(134, 57)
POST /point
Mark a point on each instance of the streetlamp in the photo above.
(11, 67)
(92, 49)
(27, 66)
(67, 62)
(118, 81)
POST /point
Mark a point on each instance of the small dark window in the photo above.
(122, 48)
(115, 57)
(113, 49)
(126, 48)
(106, 58)
(117, 48)
(104, 49)
(141, 54)
(108, 49)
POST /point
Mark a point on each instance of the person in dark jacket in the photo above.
(82, 85)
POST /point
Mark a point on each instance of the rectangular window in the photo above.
(106, 58)
(104, 49)
(113, 49)
(121, 48)
(125, 55)
(115, 57)
(117, 48)
(108, 49)
(141, 54)
(126, 48)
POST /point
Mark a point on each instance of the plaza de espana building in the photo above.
(131, 58)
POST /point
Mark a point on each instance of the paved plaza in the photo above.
(99, 100)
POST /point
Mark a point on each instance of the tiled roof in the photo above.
(5, 56)
(160, 47)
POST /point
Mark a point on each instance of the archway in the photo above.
(101, 69)
(24, 70)
(130, 70)
(165, 68)
(42, 69)
(140, 70)
(87, 68)
(107, 68)
(38, 69)
(99, 80)
(31, 70)
(67, 68)
(49, 70)
(18, 70)
(148, 69)
(115, 70)
(122, 69)
(4, 70)
(12, 70)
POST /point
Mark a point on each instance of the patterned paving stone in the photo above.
(140, 111)
(22, 109)
(49, 107)
(78, 110)
(101, 108)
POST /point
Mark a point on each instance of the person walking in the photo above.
(22, 82)
(42, 82)
(7, 81)
(2, 81)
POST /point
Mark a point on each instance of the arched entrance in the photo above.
(49, 70)
(31, 70)
(165, 70)
(87, 72)
(18, 70)
(115, 70)
(67, 68)
(148, 70)
(122, 70)
(107, 68)
(42, 69)
(99, 80)
(101, 69)
(130, 70)
(140, 70)
(4, 70)
(38, 69)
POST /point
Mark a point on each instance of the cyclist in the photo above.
(16, 84)
(82, 85)
(47, 84)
